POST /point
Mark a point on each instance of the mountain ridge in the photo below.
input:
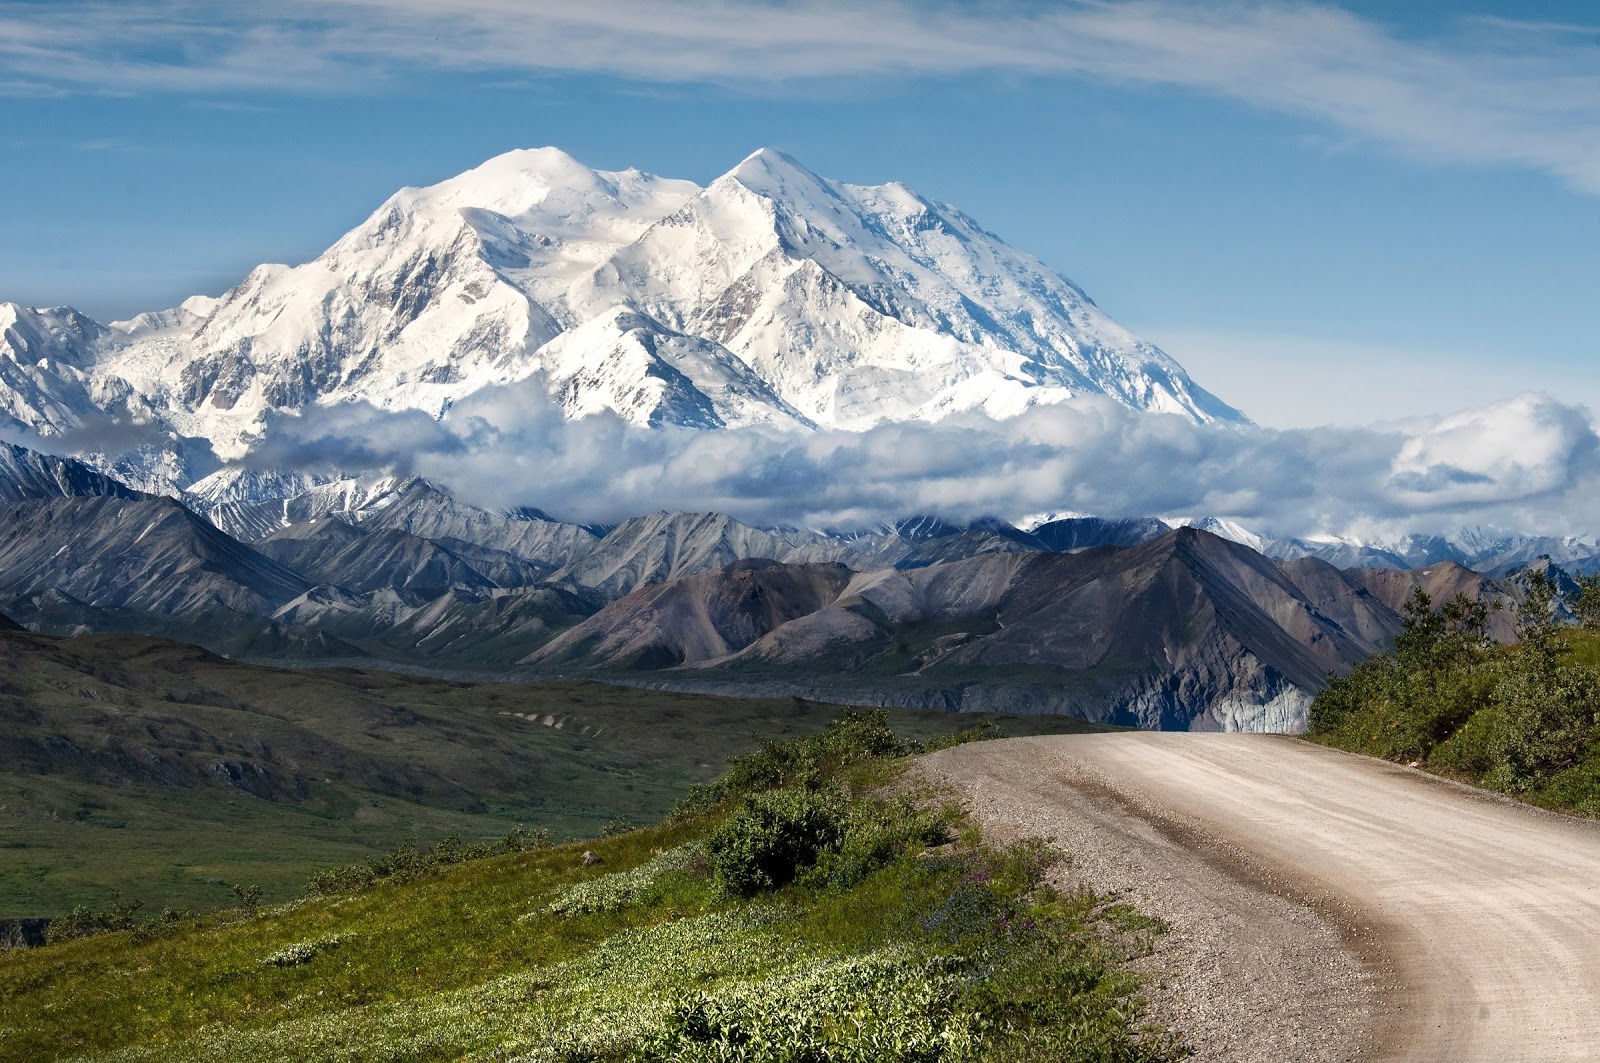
(771, 297)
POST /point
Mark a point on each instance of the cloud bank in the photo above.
(1530, 464)
(1482, 91)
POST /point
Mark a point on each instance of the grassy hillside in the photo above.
(1523, 719)
(799, 910)
(172, 775)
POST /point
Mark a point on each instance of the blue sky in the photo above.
(1329, 214)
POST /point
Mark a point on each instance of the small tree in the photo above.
(1586, 603)
(1536, 622)
(1444, 639)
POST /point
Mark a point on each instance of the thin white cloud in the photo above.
(1524, 94)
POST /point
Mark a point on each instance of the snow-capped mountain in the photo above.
(772, 297)
(28, 474)
(865, 304)
(1488, 551)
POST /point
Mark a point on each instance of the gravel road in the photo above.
(1323, 906)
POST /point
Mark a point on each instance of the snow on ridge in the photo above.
(773, 296)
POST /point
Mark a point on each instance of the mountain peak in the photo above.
(775, 296)
(513, 183)
(770, 159)
(776, 174)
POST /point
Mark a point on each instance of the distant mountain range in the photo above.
(770, 297)
(1127, 621)
(1490, 552)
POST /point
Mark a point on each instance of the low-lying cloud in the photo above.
(1529, 464)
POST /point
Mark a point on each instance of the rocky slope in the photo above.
(1185, 629)
(1188, 631)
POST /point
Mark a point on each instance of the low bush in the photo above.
(624, 889)
(983, 731)
(84, 922)
(816, 835)
(1514, 718)
(856, 737)
(876, 832)
(302, 952)
(774, 836)
(407, 862)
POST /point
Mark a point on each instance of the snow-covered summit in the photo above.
(773, 296)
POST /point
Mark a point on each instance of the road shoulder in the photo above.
(1252, 970)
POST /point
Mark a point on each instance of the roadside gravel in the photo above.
(1325, 906)
(1250, 970)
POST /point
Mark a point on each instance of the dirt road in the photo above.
(1324, 906)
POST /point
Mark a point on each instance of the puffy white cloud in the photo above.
(1529, 464)
(1529, 447)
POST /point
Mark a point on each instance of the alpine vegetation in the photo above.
(1521, 718)
(812, 905)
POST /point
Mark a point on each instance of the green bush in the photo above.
(855, 737)
(84, 922)
(406, 862)
(984, 731)
(1544, 721)
(1514, 718)
(773, 837)
(817, 836)
(875, 832)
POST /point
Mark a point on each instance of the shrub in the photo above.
(406, 862)
(982, 731)
(304, 951)
(169, 918)
(1545, 718)
(1402, 704)
(875, 832)
(855, 737)
(82, 922)
(1513, 718)
(1586, 603)
(774, 837)
(817, 836)
(893, 1005)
